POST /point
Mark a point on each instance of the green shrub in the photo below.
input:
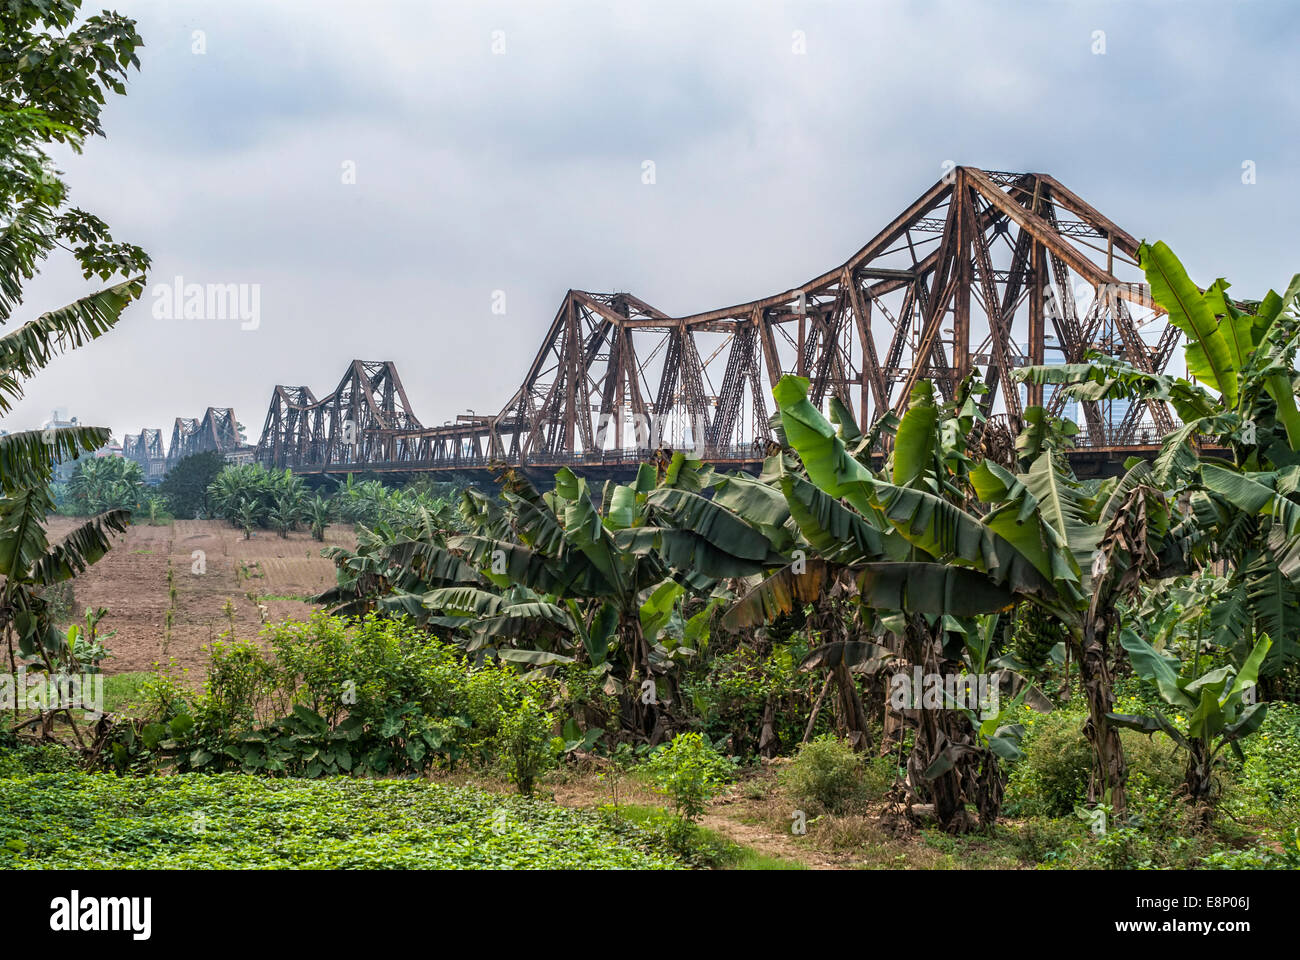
(488, 692)
(691, 771)
(240, 684)
(525, 745)
(826, 776)
(1053, 777)
(1156, 767)
(162, 696)
(376, 696)
(1259, 857)
(1122, 848)
(730, 694)
(1270, 782)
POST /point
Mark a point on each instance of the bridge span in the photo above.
(985, 272)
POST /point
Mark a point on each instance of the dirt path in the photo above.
(747, 823)
(749, 815)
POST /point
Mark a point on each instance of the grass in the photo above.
(75, 820)
(123, 690)
(753, 860)
(52, 815)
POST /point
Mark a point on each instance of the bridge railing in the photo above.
(1145, 435)
(743, 454)
(753, 453)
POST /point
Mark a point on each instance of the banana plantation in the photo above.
(856, 556)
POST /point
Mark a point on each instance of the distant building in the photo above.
(242, 455)
(64, 468)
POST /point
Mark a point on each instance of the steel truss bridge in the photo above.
(986, 271)
(217, 430)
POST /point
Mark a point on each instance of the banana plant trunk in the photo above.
(1110, 770)
(768, 742)
(974, 775)
(851, 711)
(640, 702)
(893, 722)
(1198, 780)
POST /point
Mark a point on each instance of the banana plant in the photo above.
(611, 575)
(283, 515)
(106, 483)
(981, 537)
(392, 568)
(29, 563)
(1243, 513)
(902, 546)
(1219, 705)
(248, 514)
(319, 513)
(56, 79)
(1239, 515)
(1242, 356)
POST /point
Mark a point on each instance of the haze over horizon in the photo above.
(500, 147)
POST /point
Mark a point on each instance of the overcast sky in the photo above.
(521, 171)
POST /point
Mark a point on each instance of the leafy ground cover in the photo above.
(235, 821)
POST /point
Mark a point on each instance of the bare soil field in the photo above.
(131, 582)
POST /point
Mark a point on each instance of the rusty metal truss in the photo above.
(985, 272)
(146, 449)
(366, 419)
(216, 430)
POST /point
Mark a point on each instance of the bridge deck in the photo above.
(1100, 461)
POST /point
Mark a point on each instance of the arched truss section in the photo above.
(146, 449)
(985, 272)
(216, 430)
(366, 419)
